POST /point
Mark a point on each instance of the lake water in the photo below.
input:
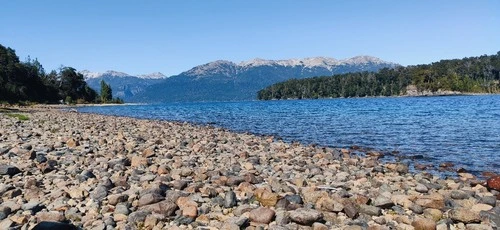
(464, 130)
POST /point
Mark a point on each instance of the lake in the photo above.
(464, 130)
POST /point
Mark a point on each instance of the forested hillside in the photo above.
(468, 75)
(28, 82)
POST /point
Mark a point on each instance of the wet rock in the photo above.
(262, 215)
(305, 216)
(493, 183)
(9, 170)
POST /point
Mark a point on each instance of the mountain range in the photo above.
(123, 85)
(227, 81)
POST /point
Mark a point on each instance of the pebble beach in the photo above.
(69, 170)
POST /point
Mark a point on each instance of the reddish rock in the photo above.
(262, 215)
(493, 183)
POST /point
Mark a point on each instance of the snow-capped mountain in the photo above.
(123, 85)
(225, 80)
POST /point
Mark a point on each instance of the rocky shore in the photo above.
(65, 170)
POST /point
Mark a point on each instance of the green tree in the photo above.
(106, 92)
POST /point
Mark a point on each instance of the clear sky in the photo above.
(140, 37)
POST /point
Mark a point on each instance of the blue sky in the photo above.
(172, 36)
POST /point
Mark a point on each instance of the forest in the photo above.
(468, 75)
(27, 82)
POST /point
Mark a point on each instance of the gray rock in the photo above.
(184, 220)
(138, 216)
(230, 199)
(489, 200)
(9, 170)
(370, 210)
(305, 216)
(282, 218)
(150, 198)
(351, 210)
(294, 199)
(459, 195)
(99, 193)
(421, 188)
(491, 217)
(122, 208)
(416, 209)
(33, 206)
(382, 202)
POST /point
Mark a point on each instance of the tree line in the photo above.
(468, 75)
(27, 81)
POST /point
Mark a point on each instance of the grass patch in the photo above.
(20, 117)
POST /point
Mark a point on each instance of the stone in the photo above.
(6, 224)
(117, 198)
(294, 199)
(179, 184)
(99, 193)
(480, 207)
(262, 215)
(382, 202)
(33, 206)
(166, 208)
(190, 211)
(266, 197)
(433, 214)
(230, 199)
(9, 170)
(370, 210)
(493, 183)
(235, 180)
(431, 201)
(51, 216)
(421, 188)
(150, 198)
(138, 161)
(489, 200)
(424, 224)
(464, 215)
(319, 226)
(351, 210)
(72, 143)
(138, 217)
(478, 227)
(305, 216)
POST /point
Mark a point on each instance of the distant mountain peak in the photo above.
(155, 75)
(364, 59)
(111, 73)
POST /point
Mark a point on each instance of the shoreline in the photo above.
(122, 172)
